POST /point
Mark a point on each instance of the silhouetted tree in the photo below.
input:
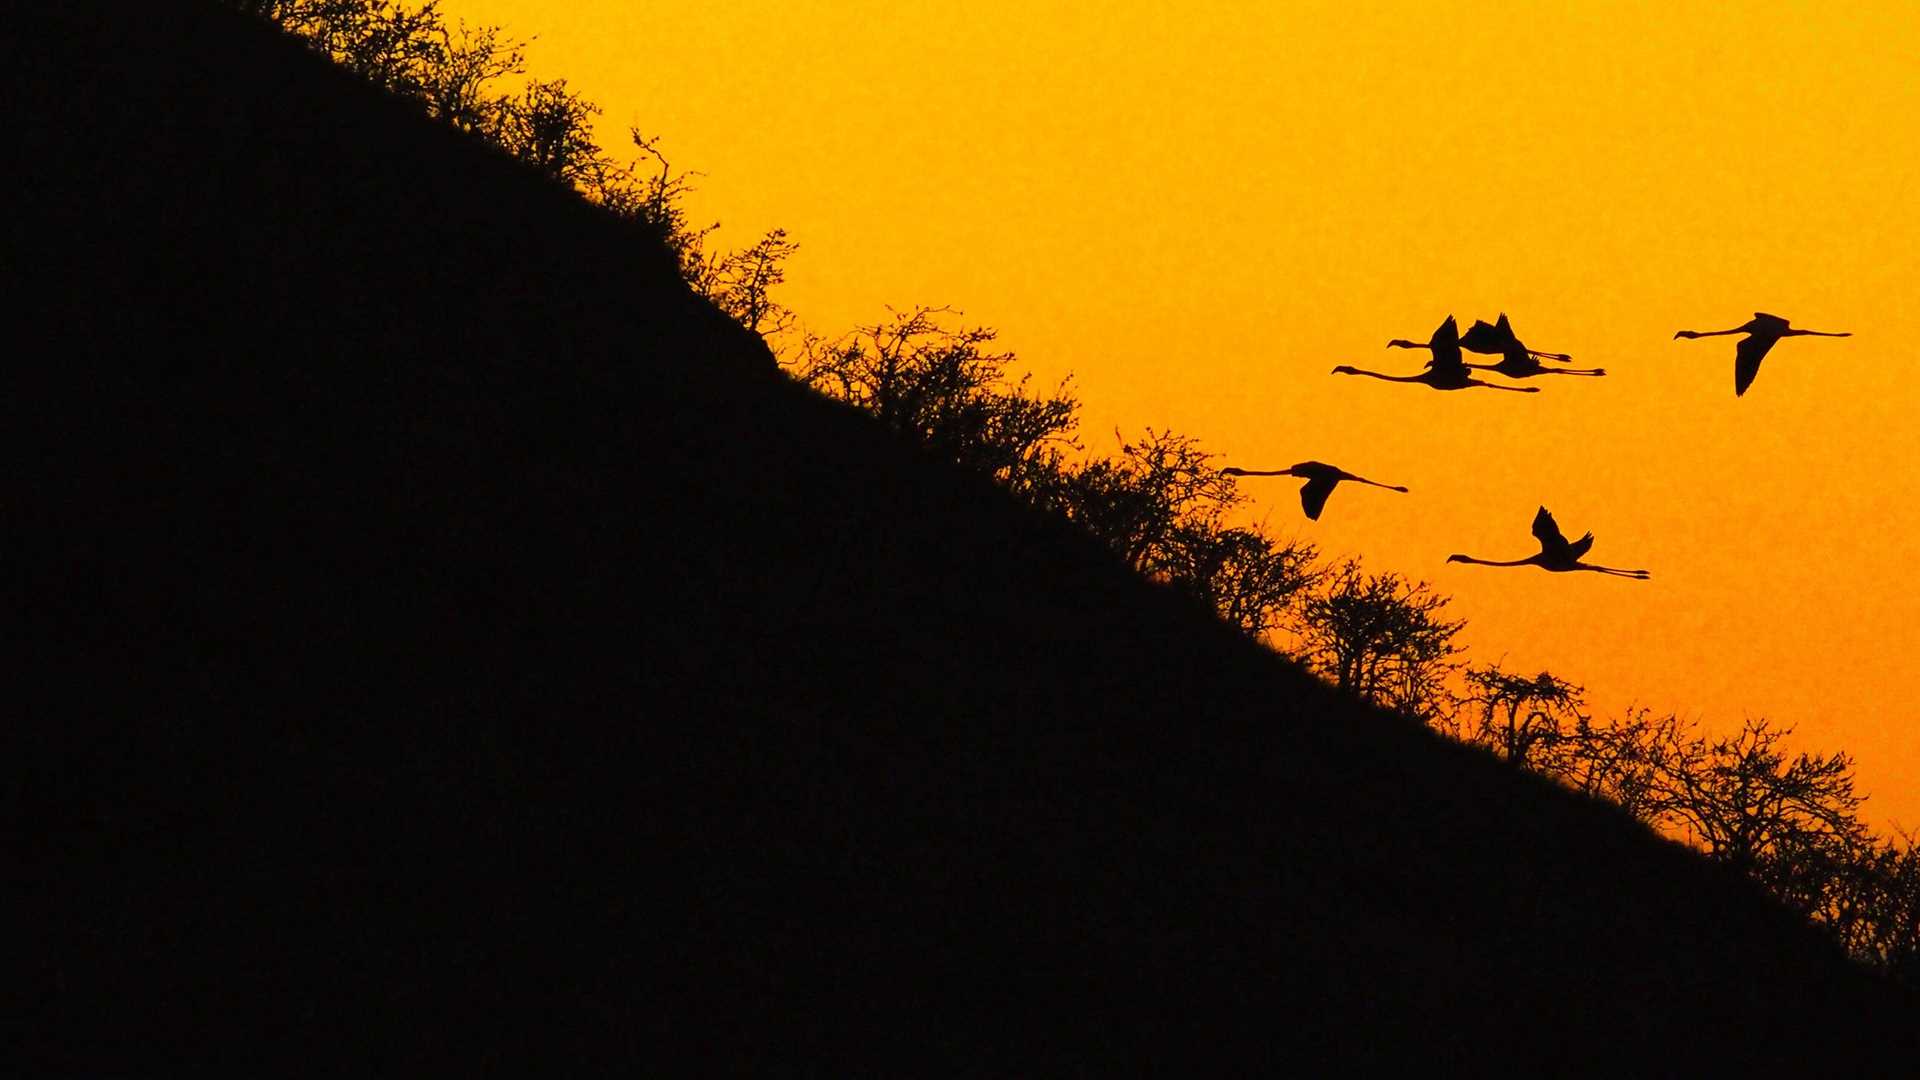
(390, 45)
(947, 391)
(457, 83)
(550, 127)
(1523, 719)
(1617, 760)
(409, 50)
(1243, 575)
(741, 283)
(1789, 822)
(1136, 502)
(1162, 505)
(302, 16)
(1892, 909)
(654, 196)
(451, 72)
(1870, 901)
(1382, 637)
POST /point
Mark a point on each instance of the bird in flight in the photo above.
(1321, 480)
(1446, 371)
(1522, 365)
(1516, 360)
(1497, 339)
(1444, 344)
(1556, 554)
(1762, 332)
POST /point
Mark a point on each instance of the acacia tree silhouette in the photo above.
(1381, 637)
(944, 389)
(549, 127)
(1618, 760)
(1875, 907)
(1524, 719)
(1244, 576)
(1790, 822)
(1749, 804)
(741, 283)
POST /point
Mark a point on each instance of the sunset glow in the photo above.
(1199, 210)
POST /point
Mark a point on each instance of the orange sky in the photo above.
(1199, 209)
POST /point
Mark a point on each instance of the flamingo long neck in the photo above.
(1529, 561)
(1265, 472)
(1389, 378)
(1718, 333)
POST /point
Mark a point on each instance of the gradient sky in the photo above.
(1199, 209)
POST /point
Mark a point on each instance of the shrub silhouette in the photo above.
(1381, 637)
(1525, 720)
(944, 390)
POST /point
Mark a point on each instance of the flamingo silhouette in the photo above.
(1498, 339)
(1556, 554)
(1516, 360)
(1762, 331)
(1522, 365)
(1444, 344)
(1321, 479)
(1446, 371)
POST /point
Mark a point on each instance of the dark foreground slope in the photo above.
(445, 639)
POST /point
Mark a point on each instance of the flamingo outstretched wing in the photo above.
(1746, 359)
(1483, 337)
(1313, 495)
(1581, 546)
(1445, 345)
(1547, 531)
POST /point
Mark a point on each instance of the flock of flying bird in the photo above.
(1448, 370)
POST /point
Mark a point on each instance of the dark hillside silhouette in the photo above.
(444, 639)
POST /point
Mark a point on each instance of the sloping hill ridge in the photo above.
(451, 641)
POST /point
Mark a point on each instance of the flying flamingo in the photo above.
(1444, 344)
(1516, 360)
(1556, 554)
(1521, 364)
(1761, 333)
(1321, 480)
(1446, 371)
(1495, 340)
